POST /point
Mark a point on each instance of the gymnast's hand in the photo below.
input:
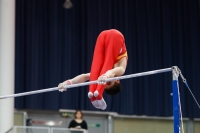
(102, 79)
(63, 86)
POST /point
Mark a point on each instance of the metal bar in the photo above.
(57, 129)
(31, 127)
(110, 124)
(116, 115)
(89, 83)
(140, 74)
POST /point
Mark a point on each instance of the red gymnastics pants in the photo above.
(108, 47)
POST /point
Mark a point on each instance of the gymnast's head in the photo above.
(113, 87)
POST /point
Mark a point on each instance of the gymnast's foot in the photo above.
(101, 102)
(95, 104)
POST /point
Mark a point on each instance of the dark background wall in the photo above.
(54, 44)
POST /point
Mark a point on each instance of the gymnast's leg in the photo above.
(113, 43)
(97, 64)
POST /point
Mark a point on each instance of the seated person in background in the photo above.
(78, 122)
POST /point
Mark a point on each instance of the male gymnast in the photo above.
(109, 60)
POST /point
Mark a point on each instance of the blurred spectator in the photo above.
(78, 122)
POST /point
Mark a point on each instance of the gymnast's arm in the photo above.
(118, 70)
(78, 79)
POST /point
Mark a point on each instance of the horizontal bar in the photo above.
(116, 115)
(67, 129)
(89, 83)
(31, 127)
(140, 74)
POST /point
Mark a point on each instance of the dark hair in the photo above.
(77, 112)
(115, 89)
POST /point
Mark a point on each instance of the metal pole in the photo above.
(190, 126)
(176, 108)
(110, 124)
(89, 83)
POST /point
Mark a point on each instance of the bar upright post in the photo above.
(176, 106)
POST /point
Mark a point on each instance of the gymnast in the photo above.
(109, 60)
